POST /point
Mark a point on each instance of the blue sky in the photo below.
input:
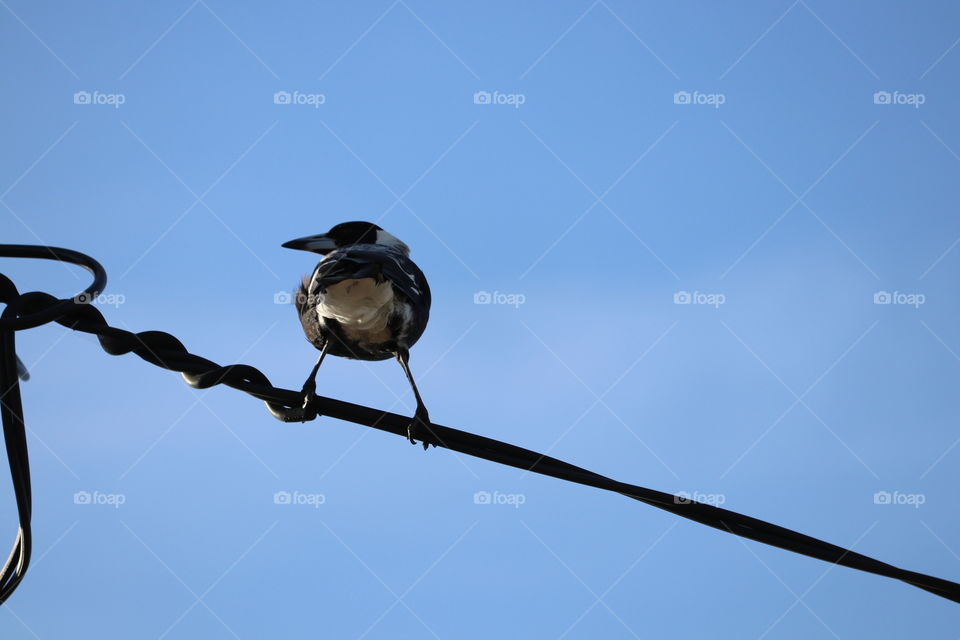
(788, 169)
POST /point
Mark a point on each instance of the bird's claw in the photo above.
(420, 429)
(308, 391)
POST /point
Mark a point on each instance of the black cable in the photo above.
(11, 414)
(164, 350)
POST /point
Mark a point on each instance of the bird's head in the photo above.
(347, 234)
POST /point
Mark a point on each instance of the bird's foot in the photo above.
(308, 391)
(420, 429)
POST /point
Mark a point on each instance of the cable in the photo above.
(29, 310)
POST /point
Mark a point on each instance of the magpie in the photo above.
(365, 300)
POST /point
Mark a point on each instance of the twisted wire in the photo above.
(28, 310)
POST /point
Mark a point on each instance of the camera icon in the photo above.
(882, 97)
(681, 97)
(882, 297)
(281, 97)
(482, 497)
(83, 298)
(482, 97)
(682, 297)
(82, 497)
(682, 497)
(282, 497)
(882, 497)
(482, 297)
(282, 297)
(81, 97)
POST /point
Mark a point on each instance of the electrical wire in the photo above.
(28, 310)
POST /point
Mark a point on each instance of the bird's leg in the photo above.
(310, 386)
(419, 428)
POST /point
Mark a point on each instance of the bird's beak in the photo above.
(316, 244)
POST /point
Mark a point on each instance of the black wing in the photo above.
(363, 261)
(374, 261)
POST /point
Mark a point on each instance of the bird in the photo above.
(365, 300)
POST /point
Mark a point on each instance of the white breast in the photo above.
(361, 306)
